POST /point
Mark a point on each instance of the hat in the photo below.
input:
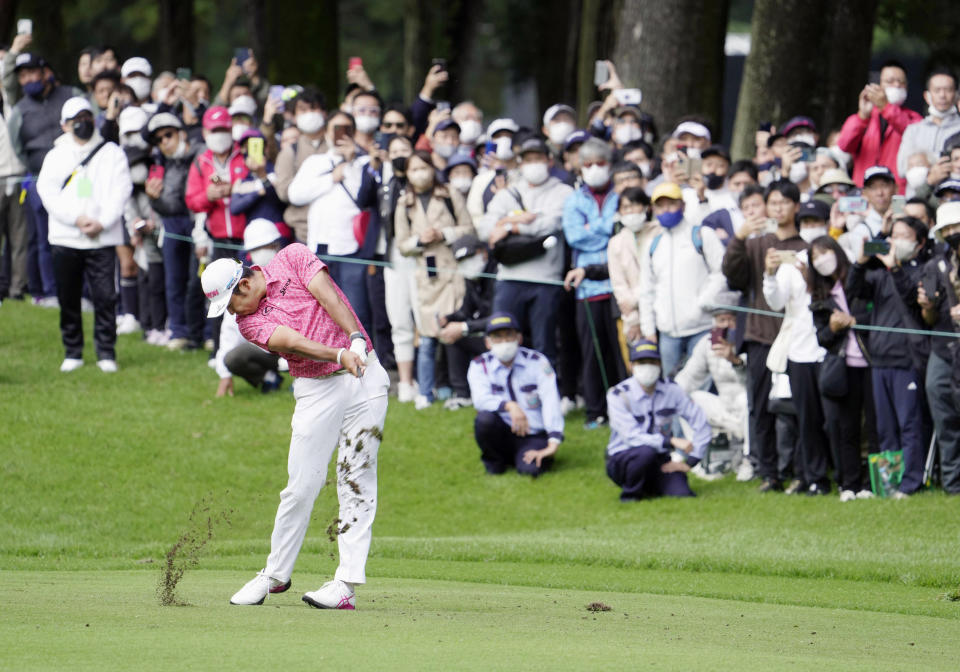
(461, 159)
(498, 125)
(73, 107)
(445, 124)
(628, 109)
(693, 128)
(29, 61)
(136, 64)
(667, 190)
(716, 150)
(947, 215)
(644, 349)
(465, 246)
(533, 144)
(877, 171)
(834, 176)
(218, 281)
(950, 184)
(554, 110)
(797, 122)
(216, 117)
(813, 209)
(243, 105)
(258, 233)
(578, 137)
(163, 120)
(724, 300)
(500, 321)
(131, 120)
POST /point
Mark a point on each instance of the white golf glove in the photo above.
(358, 346)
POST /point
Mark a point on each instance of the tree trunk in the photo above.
(256, 29)
(845, 63)
(176, 34)
(460, 34)
(596, 42)
(782, 74)
(8, 18)
(673, 52)
(303, 45)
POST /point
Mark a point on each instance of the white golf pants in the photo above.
(400, 285)
(346, 413)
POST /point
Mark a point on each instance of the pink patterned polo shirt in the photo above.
(288, 302)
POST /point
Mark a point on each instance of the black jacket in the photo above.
(835, 342)
(936, 283)
(172, 201)
(478, 301)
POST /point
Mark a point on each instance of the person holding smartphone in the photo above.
(255, 196)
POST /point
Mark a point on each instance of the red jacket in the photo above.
(862, 139)
(220, 223)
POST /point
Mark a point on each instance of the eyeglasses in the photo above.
(166, 135)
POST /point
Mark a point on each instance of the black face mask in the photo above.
(399, 164)
(713, 182)
(83, 130)
(953, 240)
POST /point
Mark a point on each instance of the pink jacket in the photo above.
(220, 223)
(627, 253)
(862, 139)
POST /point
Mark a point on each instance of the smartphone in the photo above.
(718, 334)
(155, 172)
(442, 62)
(431, 266)
(241, 54)
(601, 73)
(139, 225)
(255, 149)
(788, 257)
(771, 225)
(852, 204)
(339, 133)
(872, 247)
(694, 165)
(25, 27)
(628, 96)
(185, 74)
(897, 204)
(383, 140)
(807, 153)
(873, 77)
(443, 105)
(490, 148)
(500, 172)
(355, 62)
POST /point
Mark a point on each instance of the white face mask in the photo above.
(798, 172)
(471, 267)
(238, 130)
(826, 263)
(904, 249)
(895, 95)
(596, 175)
(937, 114)
(806, 138)
(917, 176)
(134, 140)
(505, 351)
(181, 150)
(626, 133)
(461, 184)
(811, 233)
(367, 124)
(635, 221)
(262, 256)
(138, 173)
(645, 169)
(535, 173)
(646, 374)
(420, 179)
(560, 131)
(310, 122)
(470, 130)
(218, 142)
(140, 86)
(443, 150)
(504, 148)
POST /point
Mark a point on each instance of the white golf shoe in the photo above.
(256, 589)
(847, 495)
(334, 594)
(70, 364)
(107, 365)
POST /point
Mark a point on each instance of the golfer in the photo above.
(291, 307)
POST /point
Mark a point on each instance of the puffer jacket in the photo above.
(588, 228)
(172, 200)
(220, 222)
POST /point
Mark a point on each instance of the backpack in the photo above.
(695, 235)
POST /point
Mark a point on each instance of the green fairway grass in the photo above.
(101, 473)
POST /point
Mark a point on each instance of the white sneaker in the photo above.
(256, 589)
(70, 364)
(107, 365)
(334, 594)
(127, 324)
(421, 402)
(406, 392)
(701, 472)
(847, 495)
(456, 403)
(900, 495)
(47, 302)
(865, 494)
(175, 344)
(566, 405)
(745, 471)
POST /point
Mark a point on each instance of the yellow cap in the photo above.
(667, 190)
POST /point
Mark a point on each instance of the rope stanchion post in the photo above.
(596, 344)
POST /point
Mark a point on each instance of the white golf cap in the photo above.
(163, 120)
(243, 105)
(73, 107)
(136, 64)
(260, 232)
(691, 127)
(554, 110)
(218, 281)
(948, 214)
(131, 119)
(498, 125)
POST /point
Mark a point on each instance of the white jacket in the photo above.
(98, 190)
(730, 381)
(787, 291)
(679, 284)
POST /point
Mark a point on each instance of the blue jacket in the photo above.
(588, 229)
(246, 199)
(641, 419)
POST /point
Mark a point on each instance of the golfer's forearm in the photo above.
(287, 341)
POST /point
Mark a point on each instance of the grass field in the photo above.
(101, 473)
